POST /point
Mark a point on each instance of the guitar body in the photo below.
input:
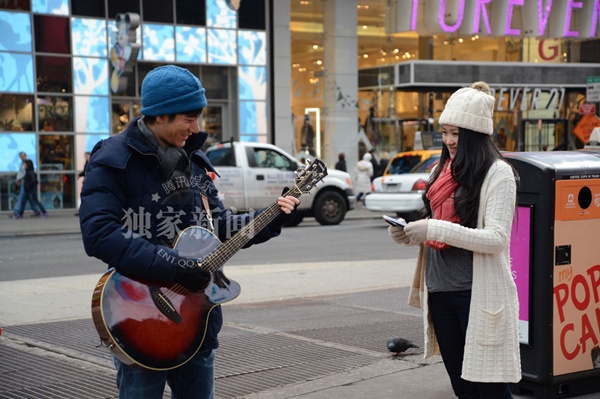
(159, 327)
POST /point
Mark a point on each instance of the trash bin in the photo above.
(555, 251)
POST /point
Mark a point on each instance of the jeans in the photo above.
(450, 316)
(30, 196)
(193, 380)
(35, 202)
(21, 200)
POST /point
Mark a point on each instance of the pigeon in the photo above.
(398, 345)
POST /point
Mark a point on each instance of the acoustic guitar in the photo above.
(162, 326)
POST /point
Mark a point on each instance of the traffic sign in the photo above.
(584, 128)
(587, 108)
(592, 94)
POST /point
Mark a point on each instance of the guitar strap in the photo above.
(208, 213)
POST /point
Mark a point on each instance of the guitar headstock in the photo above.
(310, 175)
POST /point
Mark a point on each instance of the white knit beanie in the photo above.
(470, 108)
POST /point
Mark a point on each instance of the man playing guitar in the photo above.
(143, 189)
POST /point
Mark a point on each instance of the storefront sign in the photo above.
(539, 18)
(528, 98)
(549, 50)
(55, 109)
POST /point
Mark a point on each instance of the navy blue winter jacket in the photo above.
(130, 214)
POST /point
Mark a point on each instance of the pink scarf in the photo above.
(441, 197)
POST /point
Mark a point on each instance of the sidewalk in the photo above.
(58, 222)
(65, 222)
(289, 335)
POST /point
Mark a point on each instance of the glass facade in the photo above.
(59, 72)
(407, 73)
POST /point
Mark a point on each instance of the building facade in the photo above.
(71, 72)
(411, 55)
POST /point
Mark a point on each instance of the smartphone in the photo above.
(394, 222)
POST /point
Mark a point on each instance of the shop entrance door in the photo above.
(543, 135)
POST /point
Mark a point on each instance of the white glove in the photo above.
(398, 235)
(417, 231)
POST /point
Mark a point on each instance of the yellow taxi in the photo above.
(402, 193)
(403, 162)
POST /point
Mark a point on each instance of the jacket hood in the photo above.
(363, 165)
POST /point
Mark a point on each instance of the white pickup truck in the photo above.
(254, 174)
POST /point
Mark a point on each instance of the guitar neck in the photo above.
(219, 257)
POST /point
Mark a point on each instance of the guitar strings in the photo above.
(218, 258)
(214, 261)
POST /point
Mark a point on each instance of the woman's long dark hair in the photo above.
(475, 154)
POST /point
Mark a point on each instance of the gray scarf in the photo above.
(169, 157)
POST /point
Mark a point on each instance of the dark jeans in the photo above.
(450, 316)
(193, 380)
(21, 200)
(30, 196)
(35, 202)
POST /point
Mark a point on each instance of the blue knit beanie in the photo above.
(170, 90)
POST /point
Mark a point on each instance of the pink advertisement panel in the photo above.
(520, 249)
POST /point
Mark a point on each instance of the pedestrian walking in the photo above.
(463, 280)
(362, 177)
(341, 163)
(384, 159)
(30, 182)
(376, 164)
(24, 195)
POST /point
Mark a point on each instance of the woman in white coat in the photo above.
(362, 176)
(463, 280)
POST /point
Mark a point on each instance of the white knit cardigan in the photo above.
(492, 342)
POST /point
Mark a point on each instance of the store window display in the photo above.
(16, 135)
(122, 114)
(55, 114)
(56, 152)
(53, 74)
(16, 113)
